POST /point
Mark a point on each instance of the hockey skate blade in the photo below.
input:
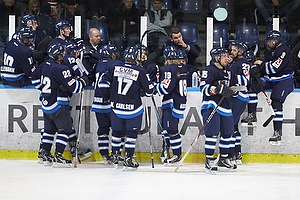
(62, 165)
(274, 143)
(251, 124)
(40, 161)
(125, 168)
(225, 169)
(48, 164)
(212, 172)
(238, 162)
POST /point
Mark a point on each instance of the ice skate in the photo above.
(250, 120)
(173, 160)
(60, 161)
(165, 154)
(115, 160)
(107, 159)
(233, 161)
(48, 158)
(210, 166)
(40, 156)
(130, 163)
(238, 158)
(275, 140)
(225, 163)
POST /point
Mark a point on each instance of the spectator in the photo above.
(45, 31)
(70, 8)
(126, 25)
(99, 10)
(192, 50)
(159, 20)
(283, 8)
(33, 7)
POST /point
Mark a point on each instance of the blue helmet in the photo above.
(217, 52)
(55, 50)
(61, 25)
(275, 37)
(71, 47)
(28, 20)
(181, 54)
(140, 47)
(130, 54)
(249, 56)
(240, 45)
(170, 53)
(79, 43)
(107, 50)
(26, 33)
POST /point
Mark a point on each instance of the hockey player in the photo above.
(214, 85)
(193, 72)
(239, 77)
(18, 60)
(173, 88)
(63, 29)
(101, 106)
(151, 67)
(277, 72)
(125, 82)
(54, 78)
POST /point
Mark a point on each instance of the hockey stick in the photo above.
(202, 129)
(76, 160)
(147, 123)
(266, 123)
(150, 141)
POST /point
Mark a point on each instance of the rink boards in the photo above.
(21, 123)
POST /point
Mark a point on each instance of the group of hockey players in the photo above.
(230, 82)
(223, 102)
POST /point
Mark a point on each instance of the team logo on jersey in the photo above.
(277, 63)
(127, 73)
(166, 83)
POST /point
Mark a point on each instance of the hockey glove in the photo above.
(84, 80)
(224, 90)
(255, 71)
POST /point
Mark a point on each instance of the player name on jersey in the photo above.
(125, 72)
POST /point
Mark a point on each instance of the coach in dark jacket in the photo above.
(192, 50)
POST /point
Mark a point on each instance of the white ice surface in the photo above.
(29, 180)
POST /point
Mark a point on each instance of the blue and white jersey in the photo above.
(240, 76)
(54, 75)
(211, 76)
(17, 61)
(153, 71)
(58, 40)
(101, 102)
(278, 64)
(125, 83)
(173, 86)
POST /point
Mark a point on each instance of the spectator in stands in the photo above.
(192, 50)
(159, 22)
(126, 23)
(99, 10)
(33, 7)
(283, 8)
(70, 8)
